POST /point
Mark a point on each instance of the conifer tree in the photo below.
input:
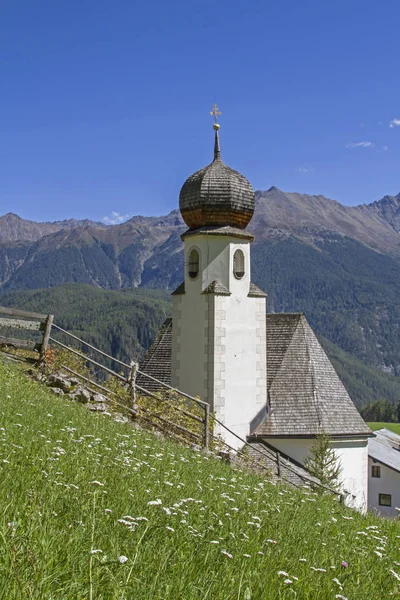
(323, 462)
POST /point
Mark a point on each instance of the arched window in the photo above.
(194, 261)
(238, 264)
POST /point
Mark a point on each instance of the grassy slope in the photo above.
(73, 482)
(392, 426)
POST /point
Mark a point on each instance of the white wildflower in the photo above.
(283, 574)
(214, 542)
(154, 502)
(395, 574)
(170, 528)
(225, 553)
(247, 555)
(96, 551)
(95, 482)
(378, 553)
(122, 559)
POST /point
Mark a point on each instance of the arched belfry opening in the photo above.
(194, 263)
(238, 264)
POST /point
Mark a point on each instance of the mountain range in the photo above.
(338, 264)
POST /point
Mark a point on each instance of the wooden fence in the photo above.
(21, 320)
(129, 380)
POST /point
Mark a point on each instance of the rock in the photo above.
(121, 419)
(35, 374)
(74, 381)
(59, 381)
(225, 456)
(57, 390)
(81, 395)
(98, 407)
(98, 398)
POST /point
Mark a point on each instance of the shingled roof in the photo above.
(157, 362)
(305, 394)
(264, 457)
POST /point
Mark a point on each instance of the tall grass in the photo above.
(91, 508)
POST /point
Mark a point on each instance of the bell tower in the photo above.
(219, 322)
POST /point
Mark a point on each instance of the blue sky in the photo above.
(105, 105)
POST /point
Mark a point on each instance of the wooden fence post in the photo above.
(206, 426)
(278, 463)
(132, 383)
(46, 336)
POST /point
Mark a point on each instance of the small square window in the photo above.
(385, 500)
(376, 471)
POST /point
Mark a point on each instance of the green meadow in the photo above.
(95, 509)
(392, 426)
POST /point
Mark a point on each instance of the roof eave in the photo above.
(311, 435)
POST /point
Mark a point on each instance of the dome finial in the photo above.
(215, 113)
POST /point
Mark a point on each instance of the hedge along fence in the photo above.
(12, 320)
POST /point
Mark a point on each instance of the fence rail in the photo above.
(26, 321)
(130, 381)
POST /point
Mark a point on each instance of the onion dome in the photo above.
(217, 196)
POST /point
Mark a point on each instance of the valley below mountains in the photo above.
(339, 265)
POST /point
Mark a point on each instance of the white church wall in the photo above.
(240, 363)
(219, 341)
(189, 344)
(387, 483)
(353, 457)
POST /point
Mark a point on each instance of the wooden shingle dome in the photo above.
(217, 196)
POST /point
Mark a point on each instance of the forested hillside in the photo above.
(124, 323)
(349, 293)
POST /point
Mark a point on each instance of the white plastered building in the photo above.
(384, 473)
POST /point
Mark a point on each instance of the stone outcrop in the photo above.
(69, 387)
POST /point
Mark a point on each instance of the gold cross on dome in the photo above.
(215, 113)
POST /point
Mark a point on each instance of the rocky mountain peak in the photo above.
(388, 208)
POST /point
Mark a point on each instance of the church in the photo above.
(265, 376)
